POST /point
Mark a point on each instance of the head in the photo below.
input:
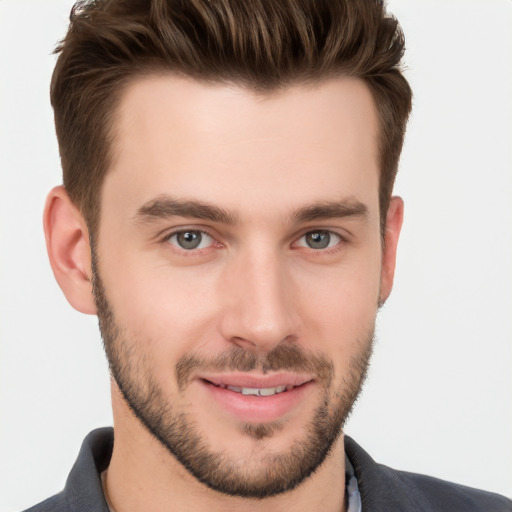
(227, 213)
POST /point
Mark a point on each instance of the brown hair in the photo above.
(258, 44)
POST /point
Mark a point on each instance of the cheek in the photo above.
(340, 309)
(167, 310)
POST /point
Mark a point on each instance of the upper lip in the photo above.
(254, 381)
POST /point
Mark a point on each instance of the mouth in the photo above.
(257, 399)
(269, 391)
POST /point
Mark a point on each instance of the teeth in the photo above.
(258, 391)
(271, 391)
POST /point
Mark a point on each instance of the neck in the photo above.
(143, 476)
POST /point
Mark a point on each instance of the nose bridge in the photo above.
(261, 312)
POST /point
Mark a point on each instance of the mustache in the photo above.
(292, 358)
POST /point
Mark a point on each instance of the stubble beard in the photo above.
(179, 434)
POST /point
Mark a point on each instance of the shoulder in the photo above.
(56, 503)
(383, 488)
(439, 495)
(83, 490)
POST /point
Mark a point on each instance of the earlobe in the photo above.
(394, 221)
(67, 243)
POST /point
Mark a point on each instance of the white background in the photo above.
(439, 395)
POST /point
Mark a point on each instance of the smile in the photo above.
(257, 399)
(257, 391)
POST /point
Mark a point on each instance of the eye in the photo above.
(190, 239)
(320, 239)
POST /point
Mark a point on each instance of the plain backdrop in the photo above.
(439, 395)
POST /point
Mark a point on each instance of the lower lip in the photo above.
(258, 409)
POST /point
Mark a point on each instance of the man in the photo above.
(227, 213)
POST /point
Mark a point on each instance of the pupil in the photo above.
(189, 239)
(318, 239)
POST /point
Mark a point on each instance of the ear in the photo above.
(67, 243)
(394, 219)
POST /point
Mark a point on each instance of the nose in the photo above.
(260, 308)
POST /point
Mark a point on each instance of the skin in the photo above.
(255, 284)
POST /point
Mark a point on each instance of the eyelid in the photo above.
(342, 239)
(167, 232)
(166, 237)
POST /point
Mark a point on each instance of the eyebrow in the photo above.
(165, 207)
(350, 207)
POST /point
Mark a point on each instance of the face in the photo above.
(238, 271)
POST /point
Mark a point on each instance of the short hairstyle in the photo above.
(262, 45)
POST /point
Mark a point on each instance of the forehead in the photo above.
(220, 142)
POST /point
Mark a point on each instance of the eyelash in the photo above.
(194, 251)
(215, 244)
(323, 250)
